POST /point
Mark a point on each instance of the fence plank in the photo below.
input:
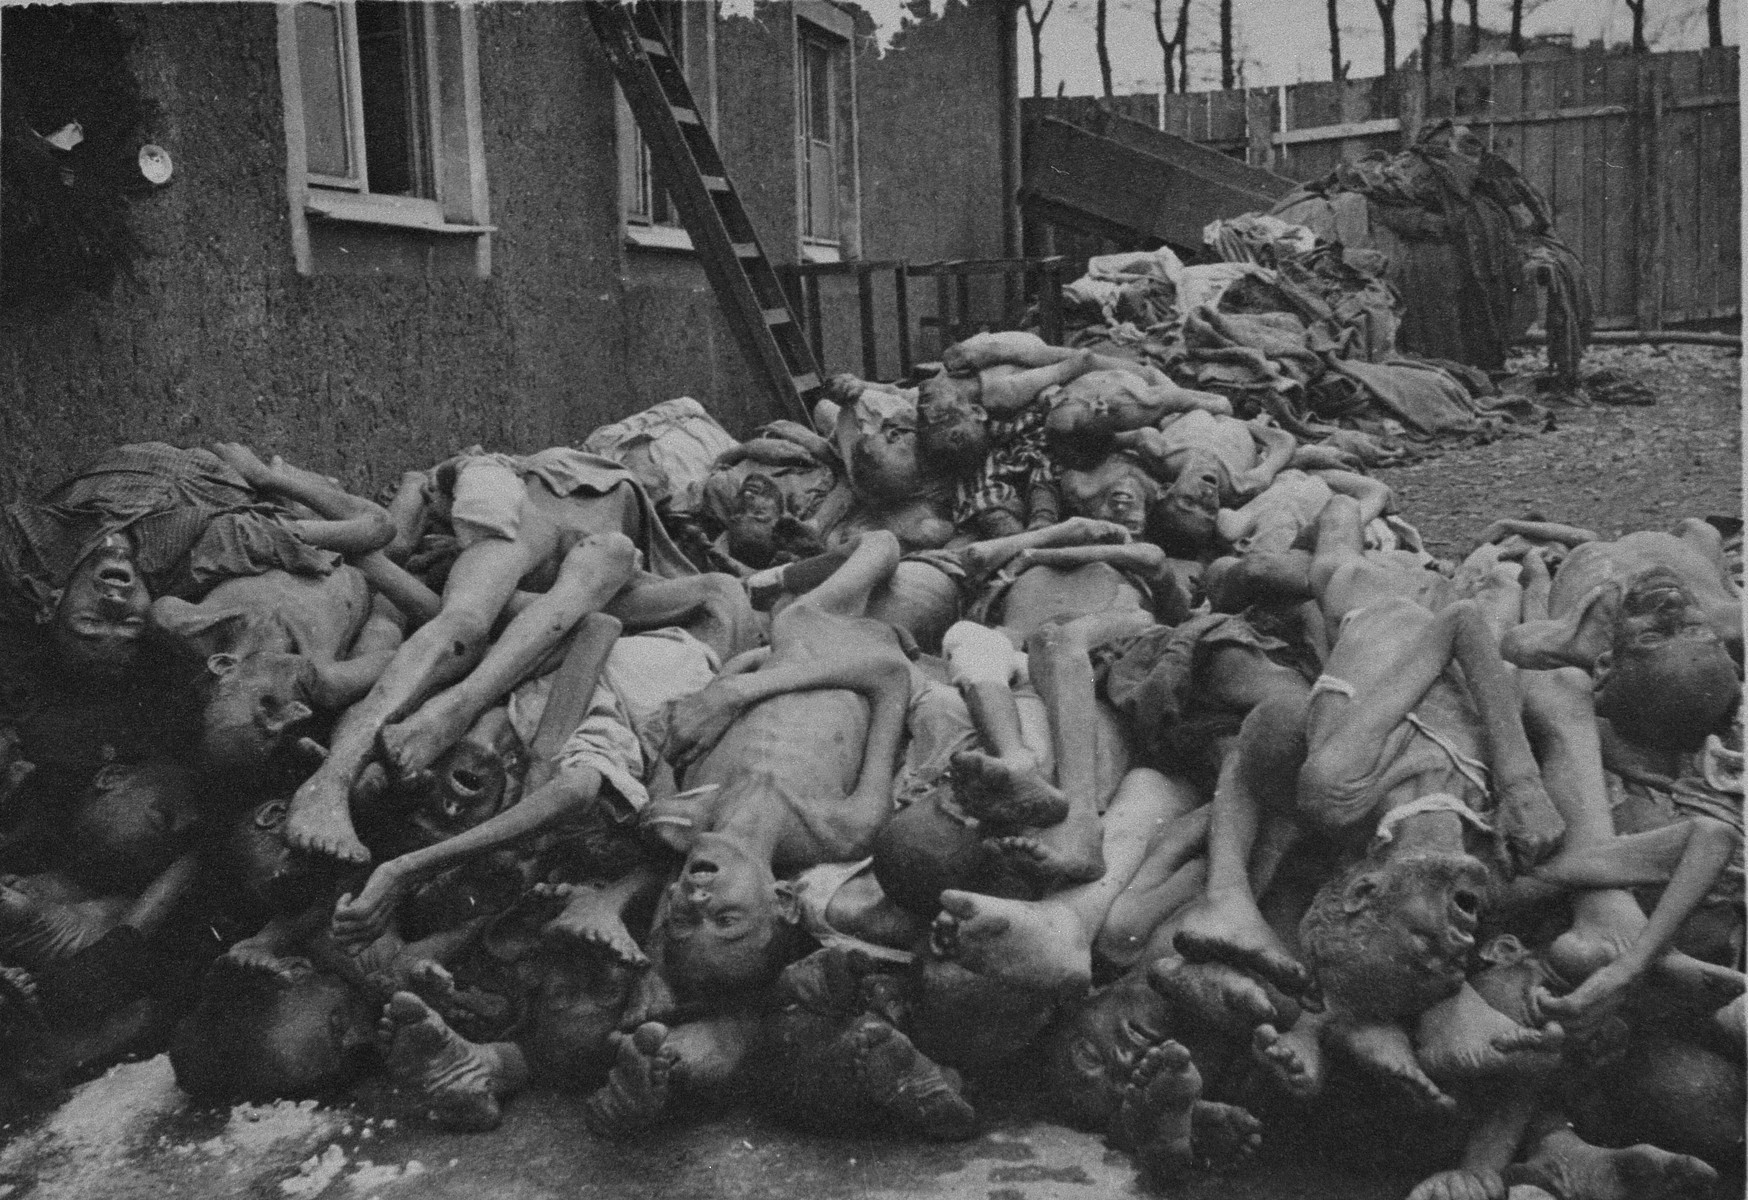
(1595, 184)
(1648, 210)
(1678, 140)
(1724, 186)
(1568, 138)
(1618, 305)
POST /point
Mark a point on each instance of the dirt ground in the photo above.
(132, 1134)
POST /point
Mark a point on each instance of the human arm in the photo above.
(1275, 447)
(343, 683)
(1008, 393)
(1143, 558)
(347, 524)
(1689, 856)
(992, 554)
(1374, 498)
(1539, 531)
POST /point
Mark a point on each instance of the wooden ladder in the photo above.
(688, 165)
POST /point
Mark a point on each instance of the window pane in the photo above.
(822, 193)
(391, 66)
(819, 92)
(324, 89)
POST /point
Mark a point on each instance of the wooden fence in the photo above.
(1639, 157)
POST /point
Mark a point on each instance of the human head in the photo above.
(132, 823)
(752, 526)
(576, 1009)
(259, 702)
(1667, 680)
(1091, 1049)
(952, 433)
(1184, 519)
(1128, 499)
(100, 616)
(727, 924)
(252, 1037)
(968, 1021)
(1392, 935)
(249, 853)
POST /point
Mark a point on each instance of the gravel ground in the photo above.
(131, 1133)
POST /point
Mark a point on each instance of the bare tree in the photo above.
(1426, 48)
(1637, 8)
(1035, 19)
(1387, 18)
(1171, 47)
(1337, 71)
(1474, 26)
(1100, 16)
(1517, 26)
(1715, 22)
(1183, 45)
(1447, 29)
(1228, 67)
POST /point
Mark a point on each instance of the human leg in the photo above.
(484, 575)
(591, 573)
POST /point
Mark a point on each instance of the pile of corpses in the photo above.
(1120, 741)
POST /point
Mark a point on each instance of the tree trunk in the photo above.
(1104, 49)
(1335, 71)
(1427, 40)
(1228, 74)
(1166, 48)
(1715, 22)
(1517, 26)
(1638, 11)
(1387, 19)
(1447, 30)
(1183, 46)
(1035, 22)
(1474, 26)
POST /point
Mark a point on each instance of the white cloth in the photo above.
(622, 732)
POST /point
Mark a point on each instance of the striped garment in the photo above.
(193, 520)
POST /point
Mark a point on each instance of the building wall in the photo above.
(364, 376)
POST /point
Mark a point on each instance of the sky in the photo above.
(1285, 41)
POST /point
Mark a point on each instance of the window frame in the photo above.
(337, 224)
(829, 27)
(697, 54)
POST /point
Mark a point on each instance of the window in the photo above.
(383, 133)
(825, 101)
(651, 218)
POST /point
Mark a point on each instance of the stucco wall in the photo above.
(363, 376)
(358, 376)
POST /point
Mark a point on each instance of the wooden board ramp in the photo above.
(1131, 181)
(688, 164)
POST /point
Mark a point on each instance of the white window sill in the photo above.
(399, 212)
(658, 237)
(821, 252)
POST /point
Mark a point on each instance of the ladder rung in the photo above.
(684, 116)
(805, 383)
(777, 316)
(653, 46)
(714, 183)
(745, 249)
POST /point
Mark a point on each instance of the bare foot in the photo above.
(1030, 943)
(1217, 994)
(905, 1083)
(1155, 1118)
(1224, 1135)
(1460, 1184)
(1006, 792)
(1706, 982)
(1532, 826)
(457, 1078)
(1294, 1060)
(1572, 1169)
(360, 920)
(1384, 1050)
(258, 956)
(37, 932)
(1050, 862)
(1464, 1037)
(591, 920)
(1226, 926)
(636, 1092)
(414, 744)
(319, 819)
